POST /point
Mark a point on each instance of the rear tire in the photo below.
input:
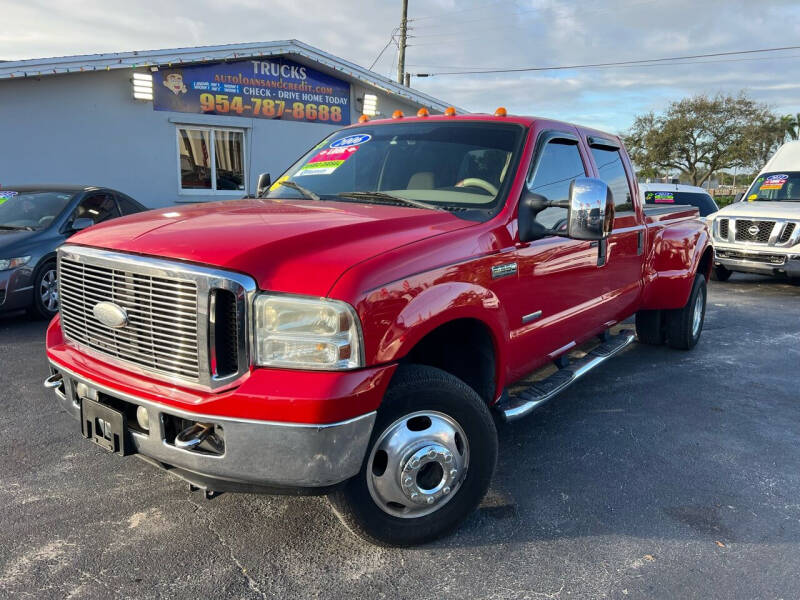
(720, 273)
(685, 325)
(650, 327)
(423, 408)
(45, 292)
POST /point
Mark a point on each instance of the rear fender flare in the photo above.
(670, 272)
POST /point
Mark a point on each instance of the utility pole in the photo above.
(401, 61)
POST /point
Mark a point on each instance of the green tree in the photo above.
(792, 124)
(700, 135)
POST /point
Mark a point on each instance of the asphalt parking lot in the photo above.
(665, 474)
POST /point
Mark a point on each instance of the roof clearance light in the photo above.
(500, 112)
(363, 119)
(398, 114)
(370, 105)
(142, 86)
(450, 111)
(422, 112)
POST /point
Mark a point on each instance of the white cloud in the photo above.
(478, 33)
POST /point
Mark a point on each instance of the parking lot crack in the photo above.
(209, 523)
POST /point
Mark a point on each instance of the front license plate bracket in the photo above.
(105, 426)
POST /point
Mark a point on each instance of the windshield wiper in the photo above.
(295, 186)
(389, 197)
(18, 227)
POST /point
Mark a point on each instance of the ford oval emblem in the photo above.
(351, 140)
(110, 315)
(753, 230)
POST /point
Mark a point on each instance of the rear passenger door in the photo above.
(621, 255)
(559, 280)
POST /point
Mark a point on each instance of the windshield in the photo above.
(30, 210)
(452, 166)
(775, 187)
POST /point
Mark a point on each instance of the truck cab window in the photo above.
(611, 170)
(559, 165)
(97, 207)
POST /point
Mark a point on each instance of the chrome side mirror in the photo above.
(591, 209)
(590, 212)
(264, 181)
(82, 223)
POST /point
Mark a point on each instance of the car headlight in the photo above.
(13, 263)
(306, 333)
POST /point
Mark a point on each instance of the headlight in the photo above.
(306, 333)
(13, 263)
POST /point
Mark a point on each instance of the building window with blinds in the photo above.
(211, 161)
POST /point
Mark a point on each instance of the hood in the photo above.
(761, 209)
(298, 246)
(12, 241)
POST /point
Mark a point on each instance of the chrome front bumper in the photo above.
(765, 261)
(259, 453)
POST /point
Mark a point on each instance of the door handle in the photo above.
(602, 248)
(640, 243)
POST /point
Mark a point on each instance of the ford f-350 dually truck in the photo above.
(356, 330)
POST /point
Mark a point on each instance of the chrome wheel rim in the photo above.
(697, 317)
(417, 464)
(48, 290)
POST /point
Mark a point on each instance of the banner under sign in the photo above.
(265, 89)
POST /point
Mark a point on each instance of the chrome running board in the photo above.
(525, 402)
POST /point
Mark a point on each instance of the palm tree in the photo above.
(791, 125)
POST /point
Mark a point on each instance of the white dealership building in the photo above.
(183, 124)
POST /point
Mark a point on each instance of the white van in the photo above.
(761, 234)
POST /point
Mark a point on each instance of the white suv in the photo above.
(761, 234)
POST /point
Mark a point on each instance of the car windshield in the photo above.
(30, 210)
(702, 201)
(437, 165)
(781, 186)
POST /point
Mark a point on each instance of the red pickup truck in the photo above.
(356, 330)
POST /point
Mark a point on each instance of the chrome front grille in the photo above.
(167, 333)
(761, 232)
(787, 232)
(161, 333)
(754, 231)
(723, 228)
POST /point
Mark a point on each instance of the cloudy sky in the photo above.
(450, 35)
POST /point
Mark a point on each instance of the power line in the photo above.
(607, 64)
(694, 62)
(391, 39)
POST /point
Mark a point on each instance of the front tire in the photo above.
(720, 273)
(685, 325)
(429, 463)
(45, 292)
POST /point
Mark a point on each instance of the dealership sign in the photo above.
(264, 89)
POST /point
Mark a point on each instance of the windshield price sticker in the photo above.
(328, 160)
(6, 195)
(774, 182)
(663, 197)
(351, 140)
